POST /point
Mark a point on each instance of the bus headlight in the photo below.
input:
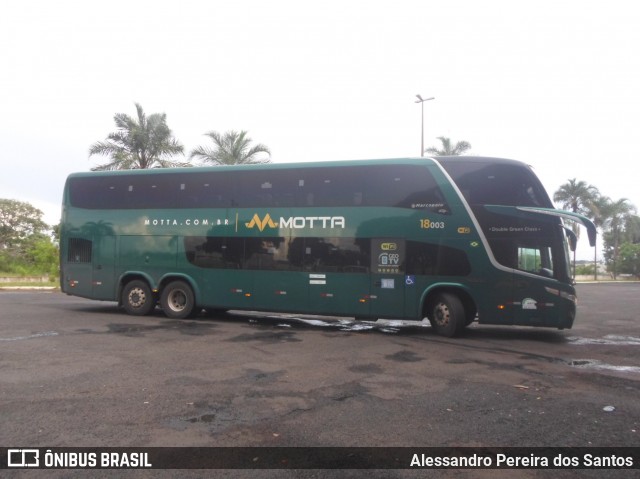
(563, 294)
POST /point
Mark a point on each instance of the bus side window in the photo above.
(436, 259)
(537, 260)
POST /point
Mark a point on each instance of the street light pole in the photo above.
(421, 101)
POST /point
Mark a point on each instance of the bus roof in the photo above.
(477, 160)
(310, 164)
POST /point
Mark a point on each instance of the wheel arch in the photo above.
(460, 290)
(156, 287)
(169, 277)
(132, 276)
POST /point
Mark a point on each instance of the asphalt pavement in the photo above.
(82, 373)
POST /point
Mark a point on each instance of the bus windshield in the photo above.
(529, 243)
(491, 182)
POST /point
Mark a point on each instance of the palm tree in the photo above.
(232, 148)
(576, 196)
(139, 143)
(598, 215)
(447, 150)
(579, 197)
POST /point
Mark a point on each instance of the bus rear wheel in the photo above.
(137, 298)
(177, 300)
(447, 315)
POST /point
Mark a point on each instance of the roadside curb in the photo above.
(29, 288)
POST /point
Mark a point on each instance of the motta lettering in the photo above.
(296, 222)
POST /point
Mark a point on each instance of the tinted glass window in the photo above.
(210, 252)
(536, 259)
(267, 188)
(200, 191)
(515, 240)
(497, 183)
(269, 254)
(404, 186)
(323, 255)
(436, 260)
(342, 255)
(152, 191)
(533, 255)
(345, 255)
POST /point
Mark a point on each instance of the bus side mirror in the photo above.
(572, 238)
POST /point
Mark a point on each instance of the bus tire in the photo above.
(447, 315)
(177, 300)
(137, 298)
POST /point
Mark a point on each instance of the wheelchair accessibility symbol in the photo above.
(410, 280)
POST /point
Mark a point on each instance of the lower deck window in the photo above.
(536, 260)
(344, 255)
(529, 256)
(328, 255)
(436, 260)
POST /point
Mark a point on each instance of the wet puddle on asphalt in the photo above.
(31, 336)
(608, 340)
(383, 325)
(597, 364)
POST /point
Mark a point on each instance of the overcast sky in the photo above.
(553, 83)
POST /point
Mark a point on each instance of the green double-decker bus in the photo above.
(451, 239)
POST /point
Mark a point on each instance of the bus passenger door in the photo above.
(103, 281)
(336, 273)
(387, 288)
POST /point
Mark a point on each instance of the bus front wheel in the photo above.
(177, 300)
(447, 315)
(137, 298)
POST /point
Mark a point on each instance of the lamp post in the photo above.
(421, 101)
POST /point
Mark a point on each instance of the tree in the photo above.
(577, 196)
(232, 148)
(447, 150)
(139, 143)
(614, 216)
(630, 259)
(597, 215)
(632, 229)
(25, 246)
(18, 221)
(41, 255)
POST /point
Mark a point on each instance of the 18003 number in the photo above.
(427, 224)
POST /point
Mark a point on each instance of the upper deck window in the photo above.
(402, 186)
(487, 182)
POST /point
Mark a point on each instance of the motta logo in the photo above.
(261, 223)
(296, 222)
